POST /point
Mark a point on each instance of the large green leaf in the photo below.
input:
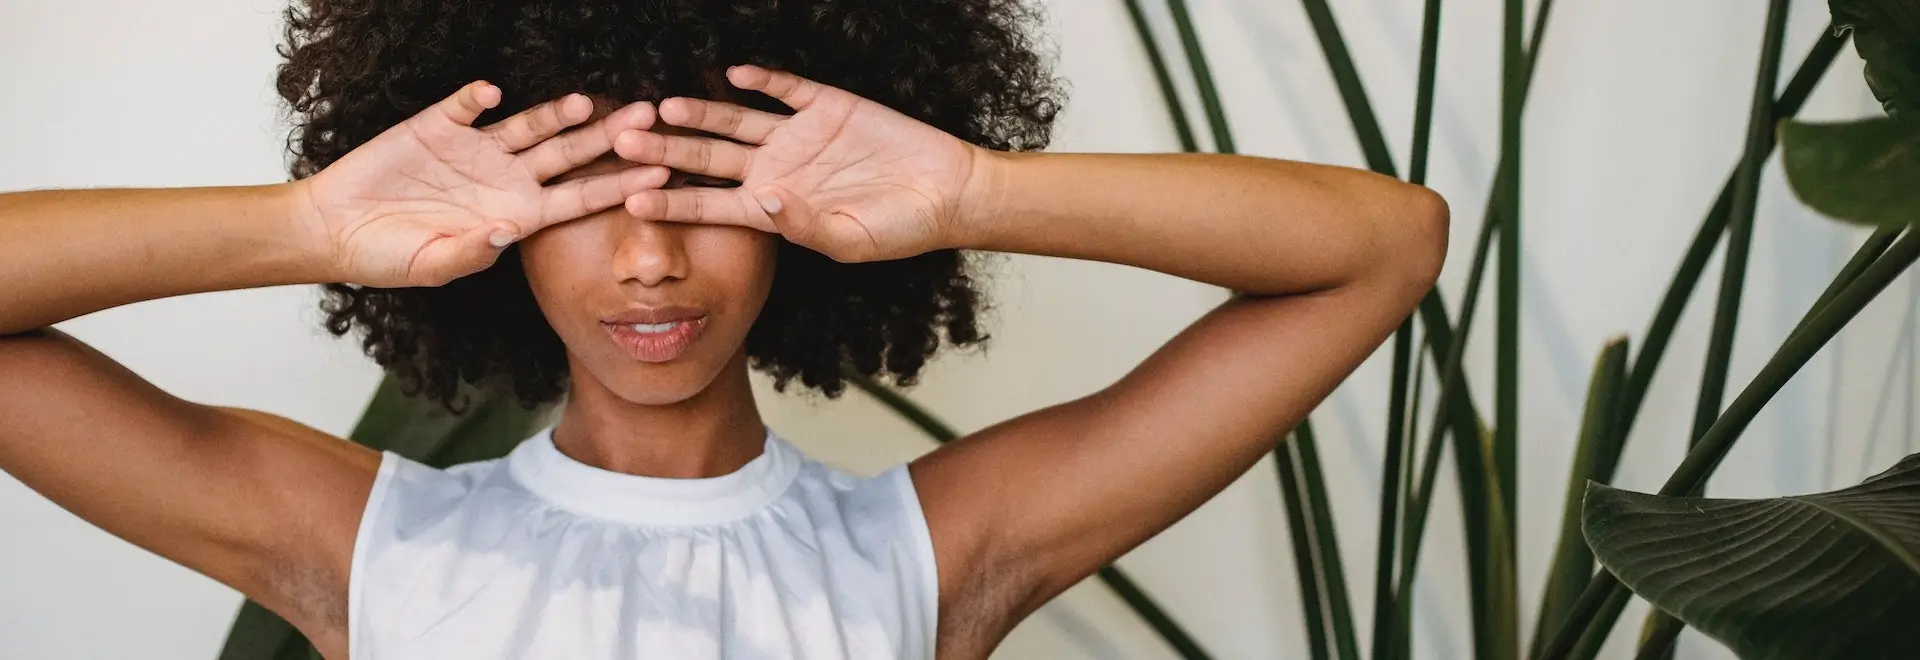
(1887, 35)
(1862, 171)
(1834, 575)
(1859, 171)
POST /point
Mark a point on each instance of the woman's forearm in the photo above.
(66, 253)
(1255, 225)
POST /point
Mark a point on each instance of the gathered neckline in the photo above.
(548, 473)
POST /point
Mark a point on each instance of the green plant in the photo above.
(1485, 460)
(1830, 166)
(1815, 603)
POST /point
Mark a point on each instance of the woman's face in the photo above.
(652, 310)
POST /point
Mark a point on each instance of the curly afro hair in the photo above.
(353, 68)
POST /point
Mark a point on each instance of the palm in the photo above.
(871, 183)
(416, 205)
(851, 157)
(417, 183)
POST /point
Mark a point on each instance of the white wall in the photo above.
(1636, 117)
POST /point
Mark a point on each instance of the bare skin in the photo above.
(1325, 261)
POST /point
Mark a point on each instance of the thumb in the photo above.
(836, 235)
(791, 215)
(476, 250)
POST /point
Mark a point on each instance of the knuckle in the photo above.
(702, 157)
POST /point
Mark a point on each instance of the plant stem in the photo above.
(1451, 387)
(1162, 77)
(1449, 361)
(1798, 349)
(1593, 639)
(1169, 630)
(1657, 641)
(1458, 410)
(1400, 440)
(1667, 316)
(1202, 77)
(1869, 250)
(1423, 93)
(1347, 79)
(1312, 604)
(1746, 192)
(1393, 487)
(1397, 642)
(1499, 636)
(1572, 562)
(1326, 543)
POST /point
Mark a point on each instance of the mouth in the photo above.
(659, 335)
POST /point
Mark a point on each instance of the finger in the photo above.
(793, 90)
(588, 195)
(839, 237)
(725, 119)
(580, 146)
(467, 104)
(712, 206)
(705, 156)
(540, 122)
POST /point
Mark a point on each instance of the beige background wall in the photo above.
(1636, 118)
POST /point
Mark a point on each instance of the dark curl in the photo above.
(354, 68)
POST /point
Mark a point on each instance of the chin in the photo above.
(658, 383)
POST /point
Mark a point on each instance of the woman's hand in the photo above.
(434, 199)
(843, 175)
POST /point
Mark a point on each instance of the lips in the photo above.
(649, 315)
(657, 334)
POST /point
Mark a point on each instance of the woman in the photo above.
(636, 247)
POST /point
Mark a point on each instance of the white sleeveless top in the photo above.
(536, 556)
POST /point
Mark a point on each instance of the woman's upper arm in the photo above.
(1040, 501)
(261, 503)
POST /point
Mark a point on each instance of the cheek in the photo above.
(740, 261)
(562, 258)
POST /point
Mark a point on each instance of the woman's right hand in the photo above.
(433, 198)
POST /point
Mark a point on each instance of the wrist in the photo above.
(306, 240)
(983, 195)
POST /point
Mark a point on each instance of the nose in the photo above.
(649, 253)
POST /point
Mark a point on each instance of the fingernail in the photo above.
(500, 239)
(768, 202)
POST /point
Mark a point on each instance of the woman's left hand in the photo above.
(843, 175)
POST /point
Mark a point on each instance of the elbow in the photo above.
(9, 332)
(1421, 226)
